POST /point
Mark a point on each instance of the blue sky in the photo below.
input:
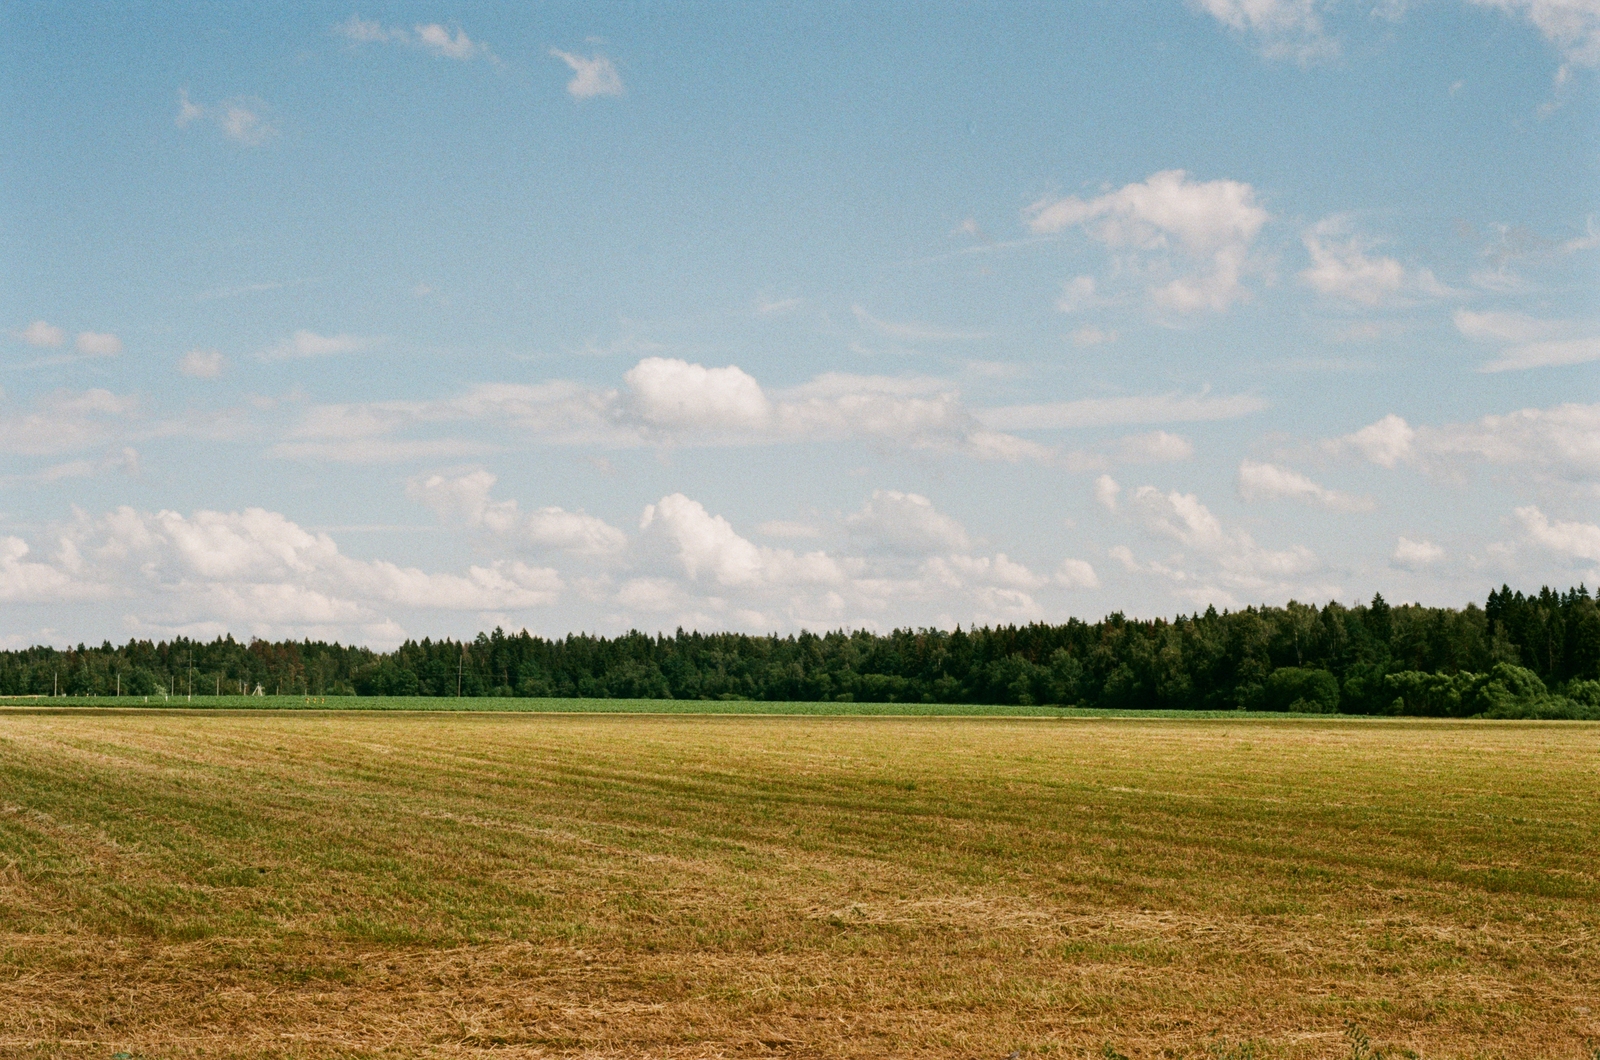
(401, 320)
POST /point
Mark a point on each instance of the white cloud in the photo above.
(1092, 337)
(1106, 490)
(125, 460)
(24, 581)
(1157, 447)
(995, 571)
(1588, 241)
(674, 402)
(1563, 441)
(441, 41)
(241, 122)
(1578, 540)
(1528, 342)
(1076, 574)
(777, 306)
(1284, 29)
(253, 572)
(1211, 224)
(1078, 293)
(1258, 481)
(1341, 267)
(431, 36)
(202, 364)
(188, 110)
(907, 522)
(787, 528)
(707, 545)
(577, 533)
(1102, 412)
(364, 31)
(67, 421)
(913, 331)
(1415, 555)
(1385, 443)
(305, 343)
(1546, 355)
(1238, 561)
(676, 395)
(465, 499)
(591, 77)
(241, 119)
(98, 344)
(40, 333)
(1572, 25)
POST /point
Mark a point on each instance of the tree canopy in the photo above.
(1520, 655)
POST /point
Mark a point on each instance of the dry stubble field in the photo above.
(361, 885)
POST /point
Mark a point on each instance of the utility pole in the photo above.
(459, 664)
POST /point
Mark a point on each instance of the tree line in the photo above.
(1520, 655)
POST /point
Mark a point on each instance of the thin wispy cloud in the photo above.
(914, 331)
(241, 119)
(446, 42)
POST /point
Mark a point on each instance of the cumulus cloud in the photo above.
(591, 76)
(1259, 482)
(1209, 226)
(253, 572)
(1528, 342)
(1574, 539)
(693, 563)
(1415, 555)
(201, 364)
(907, 522)
(676, 395)
(1217, 562)
(29, 581)
(465, 499)
(707, 546)
(1561, 442)
(1283, 29)
(40, 333)
(1342, 267)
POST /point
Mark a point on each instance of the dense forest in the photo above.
(1517, 656)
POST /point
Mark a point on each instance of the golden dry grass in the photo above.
(485, 885)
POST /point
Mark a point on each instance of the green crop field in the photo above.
(389, 884)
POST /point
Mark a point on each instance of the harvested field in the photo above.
(454, 885)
